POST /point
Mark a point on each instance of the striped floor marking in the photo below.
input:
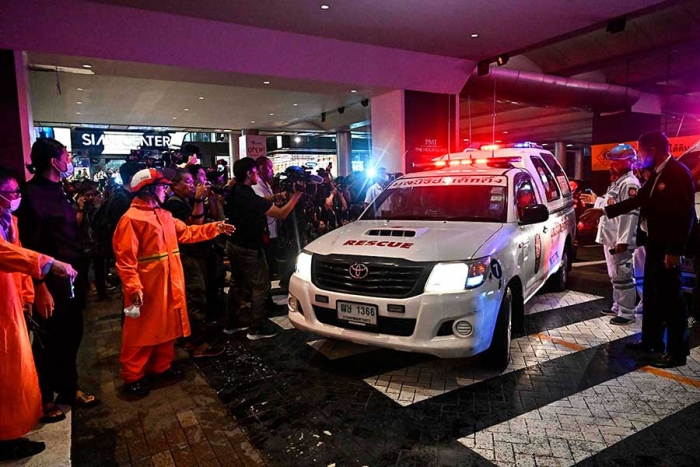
(57, 437)
(426, 380)
(552, 301)
(575, 428)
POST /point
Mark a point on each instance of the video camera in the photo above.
(296, 178)
(147, 158)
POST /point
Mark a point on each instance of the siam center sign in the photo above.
(104, 142)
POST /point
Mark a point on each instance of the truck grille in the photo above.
(385, 325)
(386, 277)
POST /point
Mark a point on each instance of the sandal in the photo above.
(82, 399)
(52, 414)
(207, 350)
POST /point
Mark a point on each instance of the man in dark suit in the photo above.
(667, 214)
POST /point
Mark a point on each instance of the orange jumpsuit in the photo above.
(20, 405)
(148, 260)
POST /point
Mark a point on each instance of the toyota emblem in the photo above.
(358, 271)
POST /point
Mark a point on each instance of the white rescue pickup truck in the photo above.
(442, 261)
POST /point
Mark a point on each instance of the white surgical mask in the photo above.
(14, 203)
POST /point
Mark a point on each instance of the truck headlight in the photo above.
(456, 277)
(303, 267)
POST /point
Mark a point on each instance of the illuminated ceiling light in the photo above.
(325, 7)
(465, 139)
(353, 91)
(295, 105)
(297, 140)
(77, 113)
(174, 118)
(271, 114)
(497, 141)
(79, 89)
(569, 145)
(87, 66)
(475, 35)
(252, 121)
(266, 83)
(505, 132)
(79, 103)
(201, 98)
(186, 110)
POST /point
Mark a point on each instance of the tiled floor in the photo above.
(572, 394)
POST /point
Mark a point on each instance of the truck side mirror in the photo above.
(534, 214)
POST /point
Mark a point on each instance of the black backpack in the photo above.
(106, 219)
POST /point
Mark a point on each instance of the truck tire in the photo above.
(498, 355)
(560, 279)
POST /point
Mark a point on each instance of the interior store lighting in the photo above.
(87, 66)
(201, 98)
(353, 91)
(266, 83)
(325, 7)
(475, 35)
(79, 89)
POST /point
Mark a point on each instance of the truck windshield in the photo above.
(443, 202)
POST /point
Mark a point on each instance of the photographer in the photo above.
(247, 212)
(193, 259)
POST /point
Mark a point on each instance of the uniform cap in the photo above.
(621, 152)
(146, 177)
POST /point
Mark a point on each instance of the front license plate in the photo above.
(358, 313)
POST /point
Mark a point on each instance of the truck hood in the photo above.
(411, 240)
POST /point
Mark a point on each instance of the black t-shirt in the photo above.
(181, 210)
(246, 211)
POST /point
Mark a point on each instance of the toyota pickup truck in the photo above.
(443, 261)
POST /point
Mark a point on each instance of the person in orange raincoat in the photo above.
(19, 385)
(148, 262)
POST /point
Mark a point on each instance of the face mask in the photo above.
(14, 203)
(67, 172)
(220, 168)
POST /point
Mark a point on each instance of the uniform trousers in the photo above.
(620, 273)
(664, 307)
(638, 259)
(138, 360)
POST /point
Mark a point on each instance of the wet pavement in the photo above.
(572, 395)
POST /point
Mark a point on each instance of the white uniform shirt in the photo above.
(262, 189)
(373, 192)
(622, 229)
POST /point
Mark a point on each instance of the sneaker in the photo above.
(609, 312)
(257, 333)
(231, 331)
(621, 321)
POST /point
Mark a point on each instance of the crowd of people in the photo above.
(168, 240)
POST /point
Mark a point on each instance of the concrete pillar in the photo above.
(412, 127)
(344, 143)
(578, 164)
(388, 131)
(16, 123)
(232, 152)
(560, 153)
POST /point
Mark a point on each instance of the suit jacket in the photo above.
(669, 209)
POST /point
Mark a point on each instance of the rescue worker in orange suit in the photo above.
(148, 261)
(19, 385)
